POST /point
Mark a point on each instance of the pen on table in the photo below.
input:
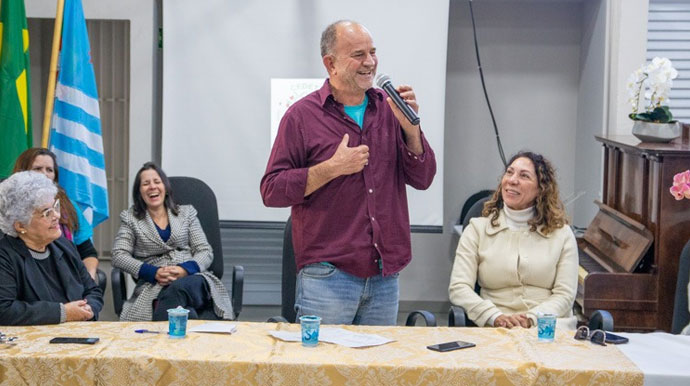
(147, 332)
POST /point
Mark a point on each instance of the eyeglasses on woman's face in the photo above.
(54, 210)
(595, 336)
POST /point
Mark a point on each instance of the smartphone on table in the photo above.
(450, 346)
(76, 340)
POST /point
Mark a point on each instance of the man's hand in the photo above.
(346, 160)
(77, 311)
(413, 136)
(349, 160)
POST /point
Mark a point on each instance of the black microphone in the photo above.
(384, 81)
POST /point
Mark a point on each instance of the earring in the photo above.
(22, 232)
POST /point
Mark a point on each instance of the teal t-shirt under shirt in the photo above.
(357, 112)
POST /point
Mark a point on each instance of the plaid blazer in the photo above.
(138, 242)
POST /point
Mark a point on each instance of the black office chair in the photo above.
(599, 320)
(681, 315)
(102, 280)
(190, 190)
(289, 280)
(457, 317)
(469, 210)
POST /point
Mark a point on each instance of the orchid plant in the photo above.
(681, 185)
(653, 81)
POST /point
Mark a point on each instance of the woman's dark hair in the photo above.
(25, 161)
(139, 204)
(549, 210)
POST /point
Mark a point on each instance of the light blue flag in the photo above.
(75, 131)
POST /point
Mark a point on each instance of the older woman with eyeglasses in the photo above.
(42, 278)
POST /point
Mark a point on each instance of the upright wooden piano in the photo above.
(638, 291)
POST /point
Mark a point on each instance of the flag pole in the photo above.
(52, 75)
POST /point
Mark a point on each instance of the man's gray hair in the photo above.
(328, 36)
(20, 196)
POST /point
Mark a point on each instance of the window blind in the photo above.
(668, 35)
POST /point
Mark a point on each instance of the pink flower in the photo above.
(682, 178)
(681, 185)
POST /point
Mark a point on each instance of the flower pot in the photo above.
(656, 132)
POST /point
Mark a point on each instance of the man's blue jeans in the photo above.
(340, 298)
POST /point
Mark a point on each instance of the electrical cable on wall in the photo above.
(486, 95)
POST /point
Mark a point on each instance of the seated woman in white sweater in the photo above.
(521, 252)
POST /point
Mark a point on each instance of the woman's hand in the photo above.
(78, 311)
(515, 320)
(168, 274)
(176, 271)
(163, 277)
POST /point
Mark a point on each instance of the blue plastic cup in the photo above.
(546, 327)
(310, 330)
(177, 322)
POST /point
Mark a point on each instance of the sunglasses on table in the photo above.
(595, 336)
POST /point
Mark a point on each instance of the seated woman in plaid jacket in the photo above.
(164, 247)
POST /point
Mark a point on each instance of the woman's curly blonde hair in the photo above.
(549, 210)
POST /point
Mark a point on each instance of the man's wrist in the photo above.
(327, 170)
(330, 171)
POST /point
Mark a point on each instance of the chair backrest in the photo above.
(681, 314)
(193, 191)
(471, 201)
(289, 275)
(474, 211)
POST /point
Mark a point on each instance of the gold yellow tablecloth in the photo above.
(252, 357)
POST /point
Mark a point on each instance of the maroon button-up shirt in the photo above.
(353, 220)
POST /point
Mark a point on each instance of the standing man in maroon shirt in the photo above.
(341, 160)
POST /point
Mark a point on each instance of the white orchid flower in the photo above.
(652, 82)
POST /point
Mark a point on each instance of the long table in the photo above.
(251, 356)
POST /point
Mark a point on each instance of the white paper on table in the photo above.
(215, 327)
(288, 336)
(337, 336)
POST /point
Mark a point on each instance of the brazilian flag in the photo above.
(15, 103)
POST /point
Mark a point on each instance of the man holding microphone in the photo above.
(341, 160)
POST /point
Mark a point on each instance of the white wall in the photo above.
(628, 49)
(143, 44)
(591, 111)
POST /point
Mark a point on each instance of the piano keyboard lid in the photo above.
(615, 240)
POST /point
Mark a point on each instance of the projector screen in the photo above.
(220, 56)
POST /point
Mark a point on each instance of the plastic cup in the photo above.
(546, 327)
(177, 322)
(310, 330)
